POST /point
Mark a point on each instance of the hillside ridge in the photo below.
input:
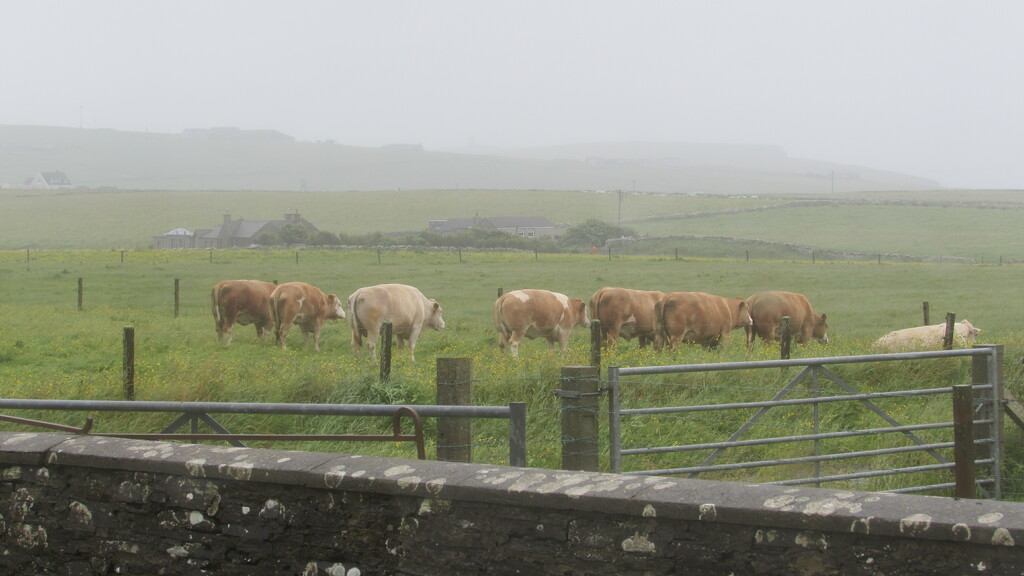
(232, 159)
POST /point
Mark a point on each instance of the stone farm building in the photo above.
(231, 234)
(525, 226)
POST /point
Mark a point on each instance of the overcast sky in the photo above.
(932, 88)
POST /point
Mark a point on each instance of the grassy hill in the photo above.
(241, 160)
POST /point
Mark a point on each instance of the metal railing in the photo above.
(986, 423)
(195, 413)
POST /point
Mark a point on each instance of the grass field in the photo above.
(50, 349)
(980, 225)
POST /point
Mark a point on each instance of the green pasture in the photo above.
(978, 225)
(51, 349)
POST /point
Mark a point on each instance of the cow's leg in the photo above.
(225, 322)
(316, 337)
(613, 335)
(371, 341)
(357, 341)
(414, 335)
(513, 341)
(281, 331)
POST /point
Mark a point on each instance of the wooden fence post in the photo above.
(80, 288)
(128, 364)
(385, 351)
(579, 394)
(177, 293)
(597, 340)
(454, 388)
(947, 336)
(963, 440)
(785, 338)
(924, 307)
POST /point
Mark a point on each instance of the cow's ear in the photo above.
(436, 306)
(822, 317)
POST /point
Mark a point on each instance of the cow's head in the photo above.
(820, 332)
(740, 313)
(579, 310)
(970, 332)
(435, 320)
(335, 309)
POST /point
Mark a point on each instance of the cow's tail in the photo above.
(595, 305)
(499, 322)
(661, 331)
(215, 304)
(358, 330)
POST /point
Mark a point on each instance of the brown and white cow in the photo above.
(698, 317)
(768, 308)
(405, 307)
(928, 337)
(532, 313)
(305, 305)
(625, 312)
(241, 302)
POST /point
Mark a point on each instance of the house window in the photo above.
(531, 233)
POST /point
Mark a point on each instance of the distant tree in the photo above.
(593, 232)
(324, 238)
(268, 239)
(292, 234)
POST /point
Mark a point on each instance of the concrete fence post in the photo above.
(455, 388)
(579, 394)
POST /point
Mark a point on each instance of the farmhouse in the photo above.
(526, 226)
(230, 234)
(48, 181)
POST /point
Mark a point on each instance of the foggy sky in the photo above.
(931, 88)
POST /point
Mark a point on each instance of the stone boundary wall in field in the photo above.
(91, 505)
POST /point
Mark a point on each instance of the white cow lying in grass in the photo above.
(928, 337)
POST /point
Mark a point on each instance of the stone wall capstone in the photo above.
(80, 505)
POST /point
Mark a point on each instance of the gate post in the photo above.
(988, 369)
(963, 440)
(579, 393)
(454, 388)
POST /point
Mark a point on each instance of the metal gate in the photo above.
(984, 421)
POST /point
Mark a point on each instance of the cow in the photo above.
(305, 305)
(625, 312)
(768, 308)
(698, 317)
(243, 302)
(405, 307)
(928, 337)
(532, 313)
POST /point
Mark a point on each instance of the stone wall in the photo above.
(79, 505)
